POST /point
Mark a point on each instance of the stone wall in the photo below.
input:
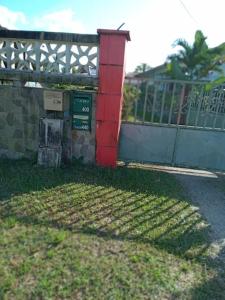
(20, 111)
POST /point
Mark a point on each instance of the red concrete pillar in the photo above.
(110, 94)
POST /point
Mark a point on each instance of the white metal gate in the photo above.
(176, 123)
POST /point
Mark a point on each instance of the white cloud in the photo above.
(63, 20)
(60, 21)
(11, 19)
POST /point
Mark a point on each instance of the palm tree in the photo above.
(195, 61)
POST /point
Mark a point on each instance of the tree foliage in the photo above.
(195, 61)
(130, 94)
(142, 68)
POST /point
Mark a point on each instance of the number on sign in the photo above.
(85, 109)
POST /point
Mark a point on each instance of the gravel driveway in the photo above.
(206, 192)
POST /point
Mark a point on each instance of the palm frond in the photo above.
(182, 43)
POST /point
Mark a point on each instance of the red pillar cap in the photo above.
(113, 32)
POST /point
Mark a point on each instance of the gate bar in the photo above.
(217, 108)
(153, 104)
(163, 102)
(172, 102)
(199, 105)
(145, 101)
(181, 103)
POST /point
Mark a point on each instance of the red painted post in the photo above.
(110, 94)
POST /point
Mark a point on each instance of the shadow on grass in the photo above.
(126, 204)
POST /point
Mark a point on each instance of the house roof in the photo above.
(152, 72)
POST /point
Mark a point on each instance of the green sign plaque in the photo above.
(81, 109)
(81, 122)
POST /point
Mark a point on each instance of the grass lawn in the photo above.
(89, 233)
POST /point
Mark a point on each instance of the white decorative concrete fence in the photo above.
(49, 56)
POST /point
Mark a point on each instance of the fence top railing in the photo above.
(203, 82)
(74, 38)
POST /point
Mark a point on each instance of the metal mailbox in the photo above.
(81, 109)
(56, 100)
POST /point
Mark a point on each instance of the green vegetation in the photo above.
(130, 95)
(194, 62)
(142, 68)
(89, 233)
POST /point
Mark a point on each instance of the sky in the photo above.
(154, 25)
